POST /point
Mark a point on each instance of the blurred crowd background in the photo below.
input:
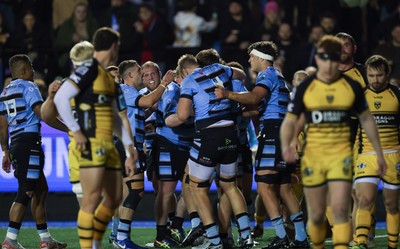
(162, 30)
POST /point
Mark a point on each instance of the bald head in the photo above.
(21, 67)
(298, 77)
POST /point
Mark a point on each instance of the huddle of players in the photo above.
(203, 93)
(169, 151)
(197, 112)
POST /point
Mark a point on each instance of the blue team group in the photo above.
(192, 125)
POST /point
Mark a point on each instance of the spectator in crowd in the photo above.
(268, 30)
(328, 22)
(236, 32)
(152, 35)
(318, 7)
(121, 17)
(62, 10)
(79, 27)
(33, 39)
(296, 14)
(188, 25)
(8, 16)
(391, 51)
(288, 44)
(383, 30)
(5, 36)
(305, 55)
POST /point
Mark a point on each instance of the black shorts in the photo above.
(214, 146)
(149, 165)
(245, 161)
(282, 177)
(169, 160)
(269, 156)
(27, 157)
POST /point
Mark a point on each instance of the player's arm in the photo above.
(67, 91)
(171, 117)
(150, 99)
(6, 163)
(298, 129)
(247, 98)
(122, 129)
(49, 110)
(55, 123)
(250, 111)
(173, 120)
(369, 125)
(238, 73)
(287, 133)
(184, 109)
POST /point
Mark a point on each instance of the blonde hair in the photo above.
(81, 53)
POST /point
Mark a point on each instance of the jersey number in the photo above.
(11, 107)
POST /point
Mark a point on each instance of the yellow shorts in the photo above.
(316, 172)
(355, 155)
(367, 169)
(73, 166)
(101, 153)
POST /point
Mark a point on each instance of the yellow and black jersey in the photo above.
(93, 104)
(385, 106)
(327, 108)
(358, 74)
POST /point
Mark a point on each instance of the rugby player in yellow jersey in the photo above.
(347, 64)
(356, 71)
(92, 147)
(384, 102)
(327, 99)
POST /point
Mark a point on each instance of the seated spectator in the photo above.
(79, 27)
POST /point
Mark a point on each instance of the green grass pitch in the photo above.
(29, 239)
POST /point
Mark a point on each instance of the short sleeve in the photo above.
(120, 99)
(360, 104)
(264, 81)
(32, 95)
(131, 96)
(188, 88)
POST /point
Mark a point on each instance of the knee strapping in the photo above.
(205, 184)
(269, 178)
(135, 195)
(186, 178)
(233, 179)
